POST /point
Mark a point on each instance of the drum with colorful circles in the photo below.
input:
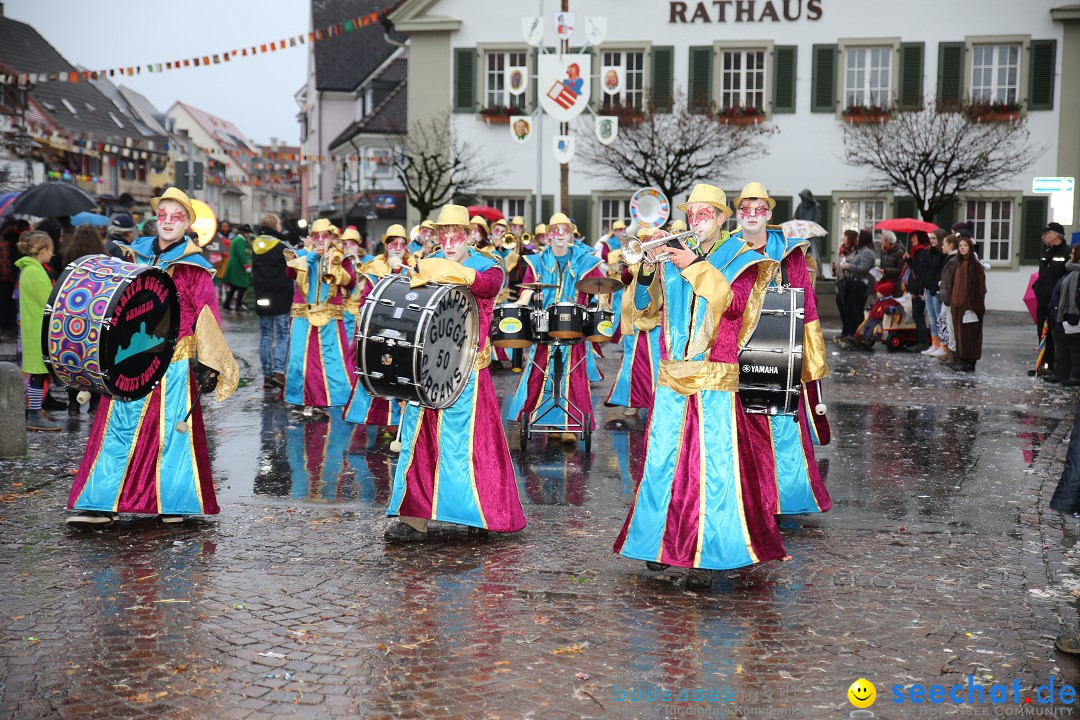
(111, 326)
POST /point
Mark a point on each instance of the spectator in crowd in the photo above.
(124, 204)
(968, 305)
(1065, 324)
(9, 238)
(892, 260)
(857, 270)
(35, 286)
(121, 230)
(236, 278)
(273, 292)
(918, 263)
(931, 295)
(844, 254)
(945, 319)
(1051, 269)
(87, 241)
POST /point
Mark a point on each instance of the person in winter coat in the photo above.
(948, 271)
(968, 305)
(1065, 324)
(121, 230)
(1051, 269)
(892, 260)
(857, 270)
(236, 277)
(273, 291)
(918, 263)
(844, 255)
(35, 286)
(935, 264)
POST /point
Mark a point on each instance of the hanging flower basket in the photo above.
(500, 114)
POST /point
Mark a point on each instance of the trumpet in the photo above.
(334, 257)
(508, 241)
(636, 251)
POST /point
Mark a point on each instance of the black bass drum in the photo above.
(770, 365)
(417, 344)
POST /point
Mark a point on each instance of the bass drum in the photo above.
(511, 327)
(417, 344)
(770, 365)
(111, 326)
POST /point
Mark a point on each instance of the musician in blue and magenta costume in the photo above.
(138, 459)
(350, 245)
(789, 472)
(562, 264)
(362, 408)
(509, 259)
(695, 505)
(321, 368)
(635, 385)
(455, 465)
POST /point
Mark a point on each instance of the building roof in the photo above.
(78, 107)
(225, 134)
(144, 110)
(344, 61)
(387, 118)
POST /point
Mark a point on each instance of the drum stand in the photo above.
(559, 404)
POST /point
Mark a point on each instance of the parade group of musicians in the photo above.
(715, 477)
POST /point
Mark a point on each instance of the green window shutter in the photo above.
(579, 213)
(823, 79)
(782, 211)
(911, 75)
(547, 208)
(946, 216)
(825, 220)
(464, 80)
(950, 73)
(1041, 79)
(700, 84)
(1033, 211)
(534, 54)
(784, 65)
(904, 207)
(663, 77)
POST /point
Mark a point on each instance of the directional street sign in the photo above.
(1048, 185)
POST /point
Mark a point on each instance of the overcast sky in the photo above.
(254, 93)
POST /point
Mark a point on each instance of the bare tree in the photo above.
(437, 165)
(671, 150)
(934, 154)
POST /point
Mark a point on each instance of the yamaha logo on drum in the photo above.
(761, 369)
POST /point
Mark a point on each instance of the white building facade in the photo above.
(801, 63)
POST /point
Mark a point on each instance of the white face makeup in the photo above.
(454, 242)
(320, 240)
(497, 232)
(475, 236)
(172, 220)
(517, 229)
(754, 214)
(704, 219)
(395, 247)
(559, 236)
(427, 238)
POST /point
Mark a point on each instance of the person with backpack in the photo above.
(273, 292)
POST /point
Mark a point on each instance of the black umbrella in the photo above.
(52, 199)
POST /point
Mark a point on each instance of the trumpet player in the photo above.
(694, 506)
(782, 451)
(321, 367)
(362, 408)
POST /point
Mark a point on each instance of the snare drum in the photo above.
(566, 320)
(599, 324)
(417, 344)
(770, 365)
(512, 327)
(111, 326)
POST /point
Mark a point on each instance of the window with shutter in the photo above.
(946, 216)
(700, 83)
(911, 75)
(950, 81)
(1034, 210)
(547, 208)
(782, 211)
(825, 244)
(663, 77)
(784, 67)
(823, 80)
(579, 213)
(904, 207)
(1041, 75)
(464, 80)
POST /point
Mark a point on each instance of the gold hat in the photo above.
(755, 190)
(477, 220)
(351, 233)
(560, 219)
(618, 225)
(645, 232)
(428, 224)
(517, 220)
(176, 195)
(502, 222)
(678, 226)
(540, 229)
(710, 194)
(452, 215)
(395, 231)
(323, 225)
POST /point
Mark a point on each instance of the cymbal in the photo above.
(537, 286)
(598, 285)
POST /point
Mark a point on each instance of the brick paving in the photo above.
(940, 559)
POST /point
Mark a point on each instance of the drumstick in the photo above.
(182, 426)
(83, 397)
(396, 445)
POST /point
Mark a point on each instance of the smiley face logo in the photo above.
(862, 693)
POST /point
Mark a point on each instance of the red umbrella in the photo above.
(488, 213)
(906, 225)
(1029, 297)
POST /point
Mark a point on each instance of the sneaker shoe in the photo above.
(38, 420)
(171, 519)
(698, 579)
(402, 533)
(929, 351)
(936, 352)
(92, 517)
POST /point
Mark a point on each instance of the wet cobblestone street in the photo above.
(939, 560)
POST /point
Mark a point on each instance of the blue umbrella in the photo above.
(88, 218)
